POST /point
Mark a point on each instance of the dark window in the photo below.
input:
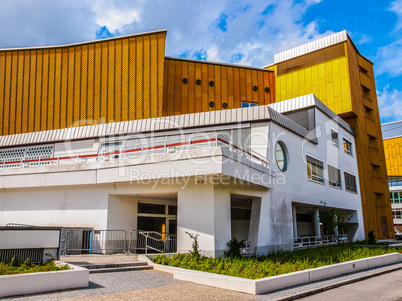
(304, 217)
(151, 208)
(172, 210)
(350, 182)
(334, 137)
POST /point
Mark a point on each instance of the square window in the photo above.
(315, 170)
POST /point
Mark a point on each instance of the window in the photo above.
(397, 213)
(315, 170)
(334, 177)
(396, 197)
(350, 182)
(334, 137)
(248, 104)
(347, 147)
(281, 156)
(395, 181)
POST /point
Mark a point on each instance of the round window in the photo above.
(281, 156)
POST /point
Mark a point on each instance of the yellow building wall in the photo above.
(96, 82)
(232, 85)
(393, 156)
(328, 80)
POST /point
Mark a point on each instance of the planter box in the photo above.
(31, 283)
(269, 284)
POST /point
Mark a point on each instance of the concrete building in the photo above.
(78, 112)
(392, 134)
(249, 173)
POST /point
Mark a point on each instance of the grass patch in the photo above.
(17, 267)
(274, 264)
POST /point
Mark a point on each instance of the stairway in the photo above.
(116, 267)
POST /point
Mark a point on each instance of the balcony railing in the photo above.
(140, 150)
(316, 241)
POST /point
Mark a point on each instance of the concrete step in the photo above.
(120, 269)
(92, 266)
(116, 267)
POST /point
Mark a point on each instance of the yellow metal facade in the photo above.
(324, 73)
(97, 82)
(231, 85)
(393, 156)
(344, 80)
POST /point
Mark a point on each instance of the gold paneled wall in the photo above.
(393, 156)
(232, 85)
(96, 82)
(324, 73)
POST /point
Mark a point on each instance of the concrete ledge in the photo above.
(273, 283)
(31, 283)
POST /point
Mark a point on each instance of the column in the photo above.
(317, 230)
(294, 222)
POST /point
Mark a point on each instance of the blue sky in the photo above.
(242, 31)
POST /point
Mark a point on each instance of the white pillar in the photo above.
(317, 230)
(203, 209)
(336, 230)
(294, 222)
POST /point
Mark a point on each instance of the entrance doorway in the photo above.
(161, 218)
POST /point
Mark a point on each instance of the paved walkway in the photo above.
(154, 285)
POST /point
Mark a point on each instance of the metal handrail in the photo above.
(121, 153)
(311, 241)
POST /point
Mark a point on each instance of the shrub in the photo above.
(195, 252)
(234, 248)
(371, 238)
(16, 267)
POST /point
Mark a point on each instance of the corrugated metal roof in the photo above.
(391, 130)
(327, 41)
(205, 119)
(309, 100)
(330, 40)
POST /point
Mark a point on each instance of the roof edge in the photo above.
(86, 42)
(217, 63)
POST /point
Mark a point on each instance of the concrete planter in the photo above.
(273, 283)
(31, 283)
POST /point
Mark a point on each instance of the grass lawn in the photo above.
(274, 264)
(16, 267)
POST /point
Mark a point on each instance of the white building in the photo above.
(261, 174)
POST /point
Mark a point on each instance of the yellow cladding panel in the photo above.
(327, 79)
(393, 156)
(96, 82)
(190, 86)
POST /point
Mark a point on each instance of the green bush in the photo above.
(274, 264)
(371, 238)
(234, 248)
(15, 266)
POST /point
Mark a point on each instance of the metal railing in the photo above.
(151, 241)
(88, 241)
(143, 149)
(315, 241)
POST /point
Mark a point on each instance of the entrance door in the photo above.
(172, 226)
(157, 224)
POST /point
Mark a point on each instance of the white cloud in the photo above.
(45, 22)
(115, 15)
(390, 104)
(255, 30)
